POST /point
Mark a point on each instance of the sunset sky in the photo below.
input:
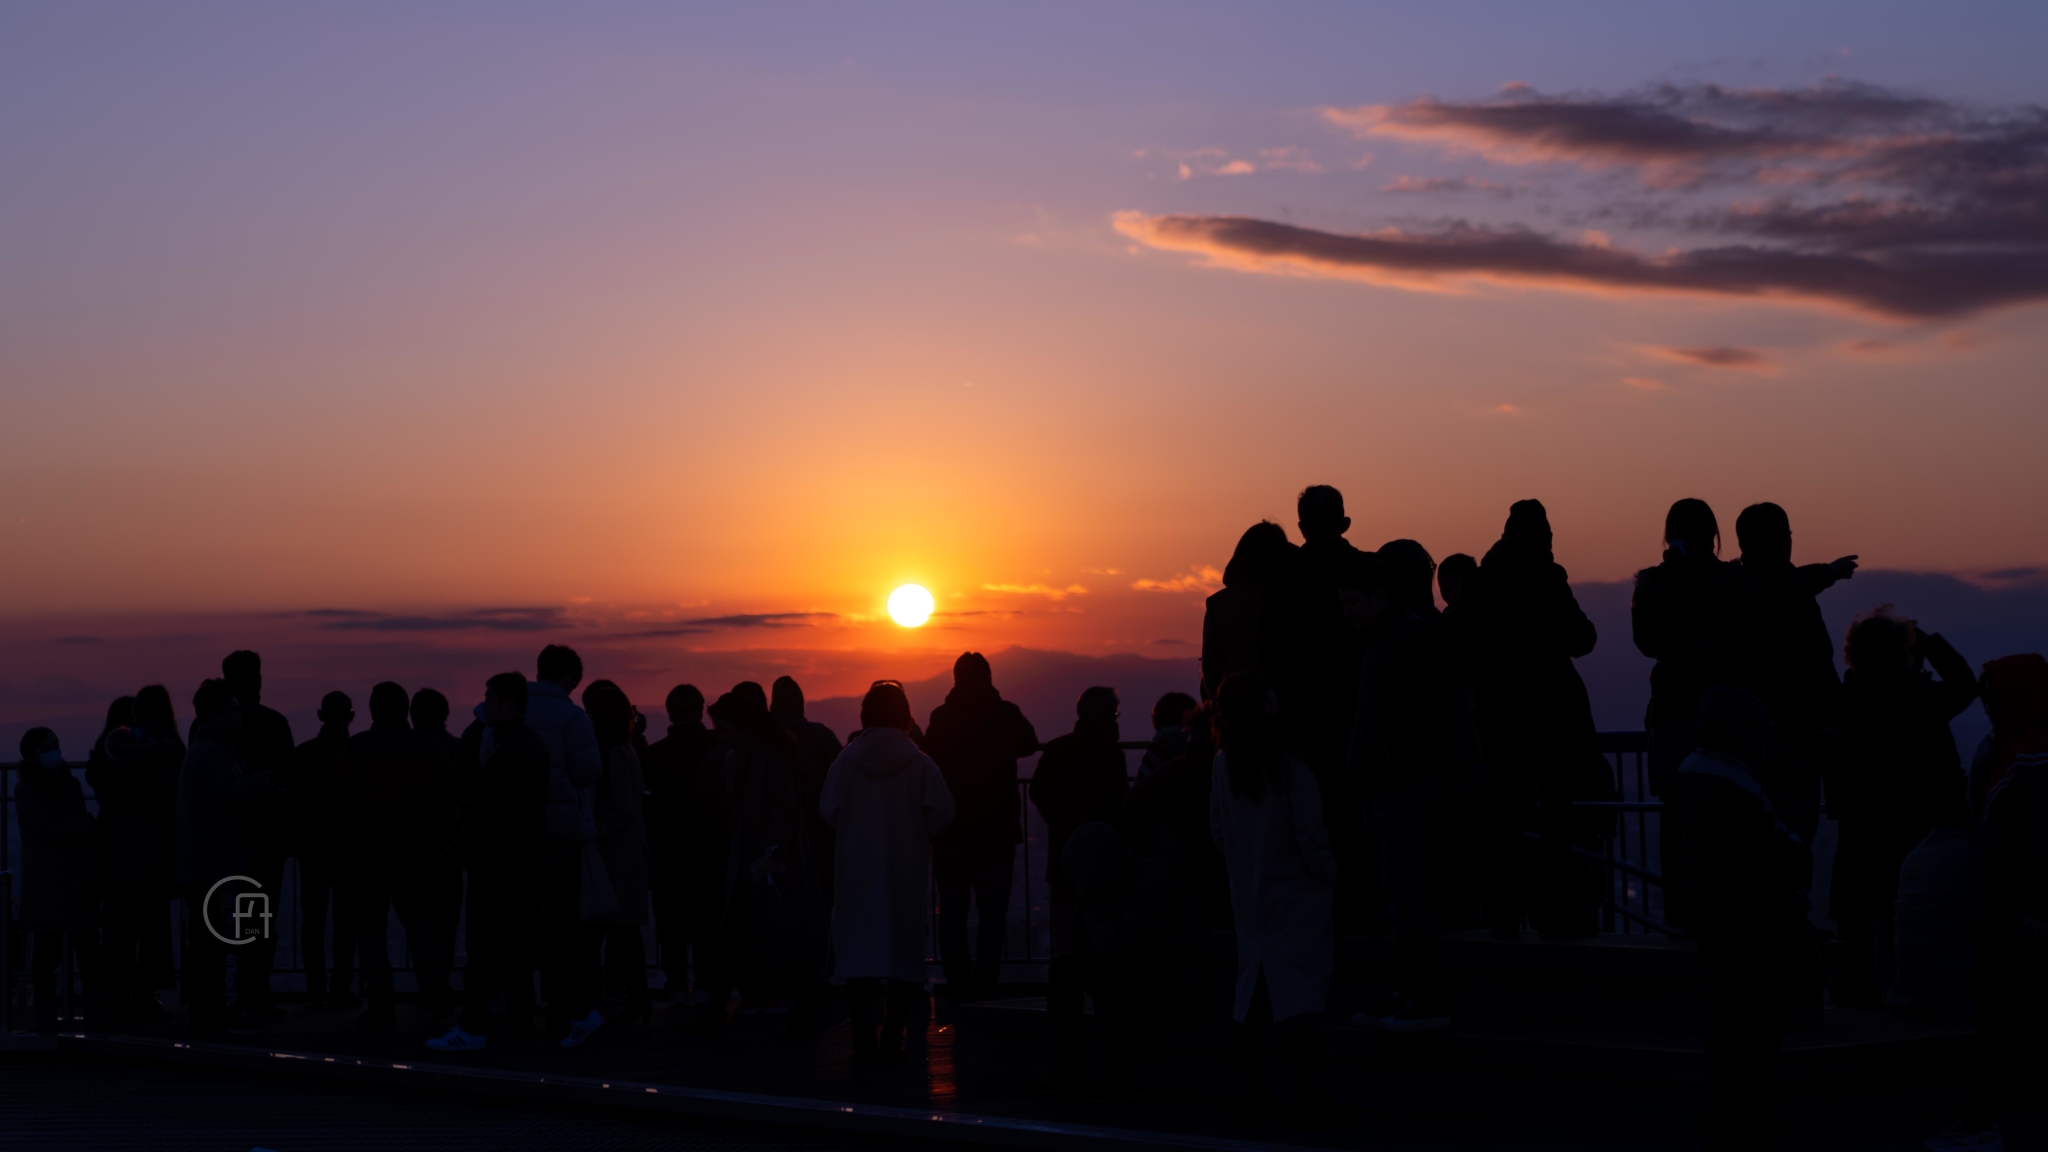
(703, 329)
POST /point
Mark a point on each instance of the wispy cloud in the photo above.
(1444, 185)
(481, 619)
(1887, 203)
(1046, 590)
(1203, 579)
(1741, 359)
(763, 620)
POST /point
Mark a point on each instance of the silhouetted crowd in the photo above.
(1358, 761)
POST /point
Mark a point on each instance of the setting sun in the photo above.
(910, 605)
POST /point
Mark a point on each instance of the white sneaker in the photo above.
(583, 1029)
(458, 1041)
(1956, 1138)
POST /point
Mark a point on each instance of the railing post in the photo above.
(6, 948)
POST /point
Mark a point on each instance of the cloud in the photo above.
(1236, 168)
(1643, 382)
(481, 619)
(762, 620)
(1291, 159)
(1203, 579)
(1742, 359)
(1440, 185)
(1045, 590)
(1905, 286)
(1887, 203)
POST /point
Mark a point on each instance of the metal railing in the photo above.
(1631, 876)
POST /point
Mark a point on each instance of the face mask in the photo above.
(54, 758)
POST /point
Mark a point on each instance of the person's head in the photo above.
(1097, 705)
(561, 666)
(153, 709)
(685, 705)
(786, 697)
(1095, 858)
(1691, 530)
(1453, 574)
(217, 707)
(1247, 728)
(1260, 552)
(611, 713)
(39, 746)
(504, 700)
(120, 714)
(1319, 513)
(1528, 523)
(1764, 533)
(886, 706)
(1410, 573)
(389, 705)
(1733, 722)
(244, 670)
(1363, 590)
(1881, 644)
(429, 711)
(750, 692)
(2015, 692)
(971, 670)
(1172, 710)
(337, 711)
(724, 713)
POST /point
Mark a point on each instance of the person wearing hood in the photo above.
(319, 769)
(1266, 815)
(217, 795)
(1739, 871)
(1169, 732)
(1137, 954)
(976, 738)
(136, 783)
(59, 874)
(1081, 778)
(1524, 628)
(885, 800)
(820, 747)
(1679, 616)
(2009, 789)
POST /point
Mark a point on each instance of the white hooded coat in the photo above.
(885, 800)
(1282, 889)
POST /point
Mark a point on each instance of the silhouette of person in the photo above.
(217, 797)
(318, 773)
(397, 805)
(1524, 627)
(686, 842)
(886, 800)
(504, 846)
(772, 922)
(60, 904)
(574, 764)
(1400, 753)
(1247, 625)
(1169, 732)
(136, 784)
(115, 980)
(2009, 786)
(1452, 575)
(976, 738)
(622, 843)
(1166, 819)
(1782, 652)
(1411, 577)
(1935, 921)
(1679, 615)
(1266, 815)
(266, 747)
(1740, 872)
(1462, 842)
(1081, 778)
(443, 878)
(1316, 700)
(820, 747)
(1137, 955)
(1894, 769)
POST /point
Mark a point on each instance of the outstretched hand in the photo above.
(1844, 568)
